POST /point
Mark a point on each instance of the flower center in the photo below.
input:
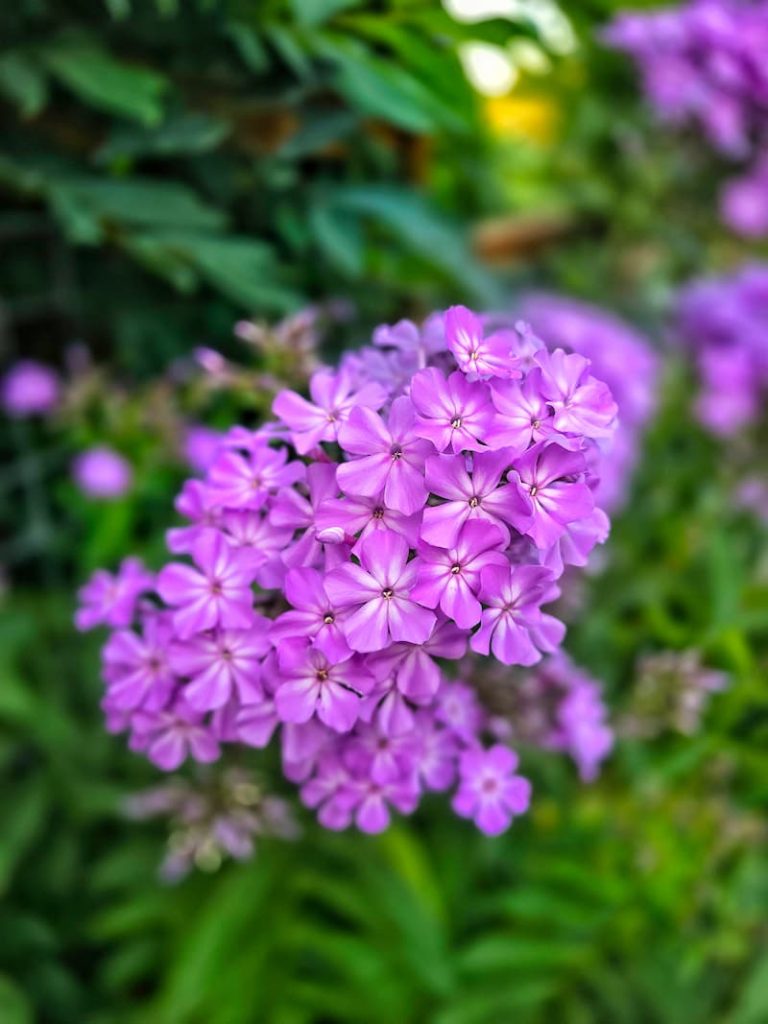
(456, 569)
(387, 594)
(474, 501)
(396, 453)
(456, 422)
(378, 512)
(226, 654)
(328, 619)
(489, 785)
(534, 490)
(321, 675)
(216, 587)
(535, 423)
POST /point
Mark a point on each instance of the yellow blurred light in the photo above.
(522, 117)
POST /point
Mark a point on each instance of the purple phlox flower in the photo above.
(577, 542)
(135, 666)
(471, 487)
(450, 577)
(256, 532)
(314, 685)
(391, 457)
(384, 757)
(459, 711)
(490, 793)
(302, 744)
(404, 335)
(579, 723)
(221, 663)
(453, 412)
(438, 753)
(744, 202)
(333, 397)
(102, 473)
(350, 519)
(201, 446)
(326, 793)
(257, 720)
(582, 404)
(548, 475)
(377, 592)
(246, 481)
(313, 615)
(196, 503)
(216, 593)
(477, 355)
(169, 737)
(29, 388)
(390, 368)
(412, 667)
(292, 511)
(513, 626)
(110, 600)
(523, 416)
(370, 800)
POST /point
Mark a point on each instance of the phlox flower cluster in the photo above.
(622, 357)
(419, 505)
(703, 63)
(724, 322)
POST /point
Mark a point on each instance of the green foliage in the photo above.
(250, 155)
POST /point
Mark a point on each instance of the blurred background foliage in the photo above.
(168, 167)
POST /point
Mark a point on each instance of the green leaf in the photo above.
(251, 49)
(244, 269)
(187, 133)
(140, 201)
(423, 229)
(108, 84)
(23, 82)
(22, 822)
(14, 1005)
(382, 89)
(311, 13)
(752, 1005)
(339, 236)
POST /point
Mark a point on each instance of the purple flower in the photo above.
(477, 355)
(391, 457)
(169, 737)
(102, 473)
(450, 577)
(489, 790)
(513, 626)
(246, 481)
(201, 446)
(548, 476)
(110, 600)
(195, 502)
(221, 663)
(136, 666)
(473, 493)
(29, 388)
(453, 413)
(217, 593)
(333, 398)
(295, 512)
(378, 594)
(523, 415)
(313, 685)
(313, 616)
(351, 519)
(582, 404)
